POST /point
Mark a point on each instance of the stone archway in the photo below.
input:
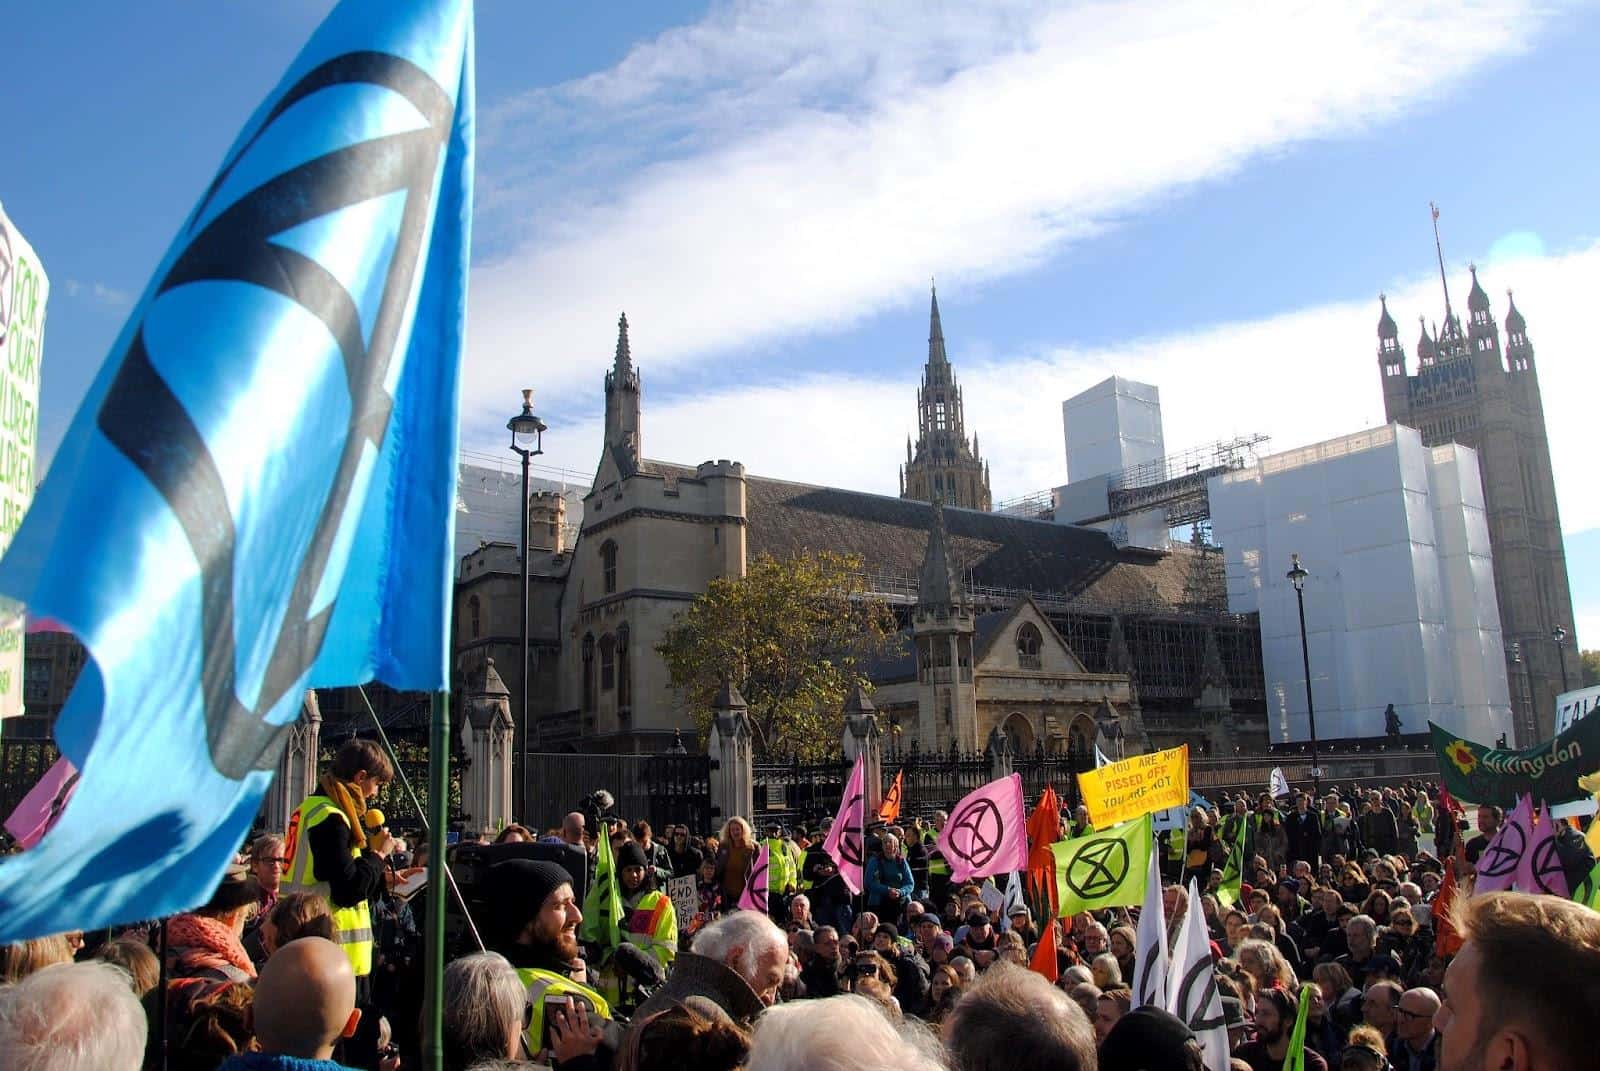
(1021, 733)
(1081, 735)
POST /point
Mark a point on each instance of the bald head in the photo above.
(572, 828)
(305, 999)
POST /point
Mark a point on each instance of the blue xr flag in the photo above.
(256, 495)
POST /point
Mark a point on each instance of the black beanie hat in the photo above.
(630, 854)
(1148, 1039)
(518, 888)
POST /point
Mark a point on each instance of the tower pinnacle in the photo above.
(623, 366)
(936, 353)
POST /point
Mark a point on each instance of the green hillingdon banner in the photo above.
(23, 290)
(1549, 772)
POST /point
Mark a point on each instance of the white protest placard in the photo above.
(685, 898)
(23, 290)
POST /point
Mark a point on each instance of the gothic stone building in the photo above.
(1057, 627)
(1469, 390)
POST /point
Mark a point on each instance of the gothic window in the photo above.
(938, 416)
(608, 662)
(474, 621)
(588, 672)
(608, 565)
(1028, 643)
(624, 684)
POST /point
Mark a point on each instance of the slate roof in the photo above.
(891, 536)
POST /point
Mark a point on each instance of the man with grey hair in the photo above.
(1364, 958)
(72, 1015)
(734, 967)
(1011, 1018)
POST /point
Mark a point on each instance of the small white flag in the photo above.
(1192, 986)
(1150, 954)
(1280, 783)
(1100, 758)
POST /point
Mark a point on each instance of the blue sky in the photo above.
(1206, 197)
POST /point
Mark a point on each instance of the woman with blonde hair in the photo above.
(736, 854)
(1264, 963)
(1107, 973)
(23, 958)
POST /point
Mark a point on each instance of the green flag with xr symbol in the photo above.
(1107, 868)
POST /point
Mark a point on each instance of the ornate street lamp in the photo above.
(1559, 634)
(527, 440)
(1297, 576)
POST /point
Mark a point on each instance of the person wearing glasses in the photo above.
(1414, 1046)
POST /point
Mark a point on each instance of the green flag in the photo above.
(602, 908)
(1233, 869)
(1588, 890)
(1295, 1059)
(1104, 869)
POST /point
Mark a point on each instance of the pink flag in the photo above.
(1501, 859)
(845, 839)
(1540, 869)
(987, 832)
(43, 804)
(754, 897)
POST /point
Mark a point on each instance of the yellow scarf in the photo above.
(350, 800)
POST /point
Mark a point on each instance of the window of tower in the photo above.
(608, 565)
(474, 616)
(608, 663)
(1028, 644)
(939, 416)
(624, 683)
(588, 672)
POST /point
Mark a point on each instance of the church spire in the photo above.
(623, 367)
(938, 584)
(945, 461)
(936, 354)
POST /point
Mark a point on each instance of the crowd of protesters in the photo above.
(1337, 907)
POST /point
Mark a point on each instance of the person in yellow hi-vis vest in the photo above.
(534, 918)
(649, 919)
(328, 851)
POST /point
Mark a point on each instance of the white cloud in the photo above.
(1301, 377)
(884, 146)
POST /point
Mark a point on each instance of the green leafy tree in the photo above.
(1591, 668)
(793, 635)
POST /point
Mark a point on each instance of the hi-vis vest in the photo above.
(652, 924)
(542, 984)
(1176, 844)
(352, 926)
(780, 873)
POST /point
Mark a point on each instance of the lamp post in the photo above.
(1559, 634)
(1524, 686)
(1297, 576)
(527, 440)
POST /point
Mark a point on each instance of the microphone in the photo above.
(638, 965)
(373, 820)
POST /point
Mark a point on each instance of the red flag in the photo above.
(1044, 825)
(1044, 957)
(1448, 802)
(889, 810)
(1044, 829)
(1446, 941)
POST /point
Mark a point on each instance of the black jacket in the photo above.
(1305, 837)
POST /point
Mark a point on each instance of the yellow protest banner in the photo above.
(1122, 790)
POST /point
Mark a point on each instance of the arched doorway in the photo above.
(1080, 736)
(1020, 733)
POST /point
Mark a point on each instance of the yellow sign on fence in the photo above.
(1122, 790)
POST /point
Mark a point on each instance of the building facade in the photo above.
(943, 463)
(1471, 390)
